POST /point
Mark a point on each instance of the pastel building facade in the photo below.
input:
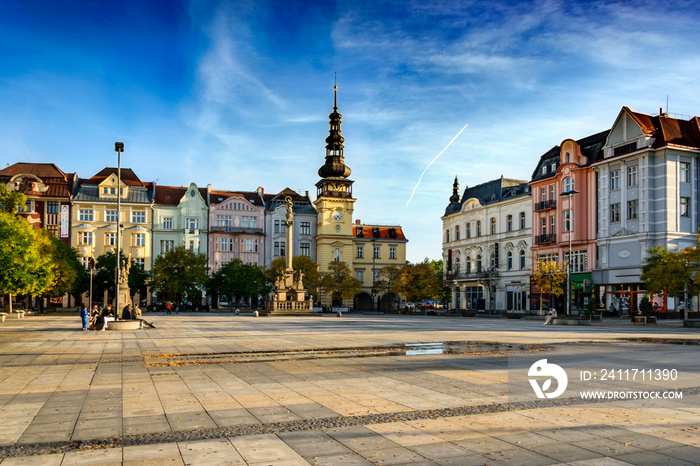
(94, 216)
(375, 247)
(180, 218)
(236, 227)
(304, 234)
(647, 196)
(486, 245)
(564, 222)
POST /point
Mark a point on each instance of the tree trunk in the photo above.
(10, 295)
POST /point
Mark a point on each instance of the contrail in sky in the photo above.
(433, 161)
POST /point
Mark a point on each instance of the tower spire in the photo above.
(334, 166)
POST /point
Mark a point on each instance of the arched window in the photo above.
(456, 232)
(447, 236)
(522, 260)
(336, 255)
(510, 260)
(568, 184)
(469, 230)
(457, 266)
(478, 228)
(478, 263)
(469, 264)
(493, 225)
(509, 223)
(522, 220)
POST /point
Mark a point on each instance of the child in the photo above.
(84, 317)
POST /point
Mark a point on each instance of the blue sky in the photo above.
(237, 93)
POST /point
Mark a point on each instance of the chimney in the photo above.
(261, 191)
(358, 222)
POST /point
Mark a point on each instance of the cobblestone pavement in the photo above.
(222, 389)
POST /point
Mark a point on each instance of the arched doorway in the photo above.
(363, 301)
(388, 302)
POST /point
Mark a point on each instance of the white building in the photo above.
(486, 245)
(647, 196)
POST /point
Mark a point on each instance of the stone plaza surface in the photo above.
(222, 389)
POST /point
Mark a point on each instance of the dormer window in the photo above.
(626, 148)
(567, 157)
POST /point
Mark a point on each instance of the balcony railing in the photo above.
(545, 205)
(544, 239)
(236, 230)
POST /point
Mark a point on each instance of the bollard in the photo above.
(340, 314)
(256, 314)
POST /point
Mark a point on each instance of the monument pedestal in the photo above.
(289, 296)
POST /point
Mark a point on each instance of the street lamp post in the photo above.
(570, 195)
(119, 148)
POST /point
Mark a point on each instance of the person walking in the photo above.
(681, 309)
(84, 317)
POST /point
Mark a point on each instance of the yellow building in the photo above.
(339, 239)
(94, 216)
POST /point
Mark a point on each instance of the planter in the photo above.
(122, 325)
(651, 320)
(642, 320)
(570, 321)
(16, 315)
(2, 318)
(596, 318)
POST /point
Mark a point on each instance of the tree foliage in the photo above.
(339, 282)
(10, 200)
(305, 264)
(666, 271)
(239, 280)
(549, 278)
(420, 281)
(66, 268)
(25, 264)
(180, 272)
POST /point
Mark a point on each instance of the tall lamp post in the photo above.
(119, 148)
(570, 195)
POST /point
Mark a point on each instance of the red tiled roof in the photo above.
(128, 177)
(667, 130)
(42, 170)
(383, 232)
(168, 195)
(251, 196)
(58, 183)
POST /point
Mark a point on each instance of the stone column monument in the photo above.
(289, 295)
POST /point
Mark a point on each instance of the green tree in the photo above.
(339, 283)
(305, 264)
(180, 272)
(24, 266)
(10, 200)
(419, 281)
(65, 264)
(666, 272)
(239, 280)
(549, 278)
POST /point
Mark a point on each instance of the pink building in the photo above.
(236, 227)
(564, 215)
